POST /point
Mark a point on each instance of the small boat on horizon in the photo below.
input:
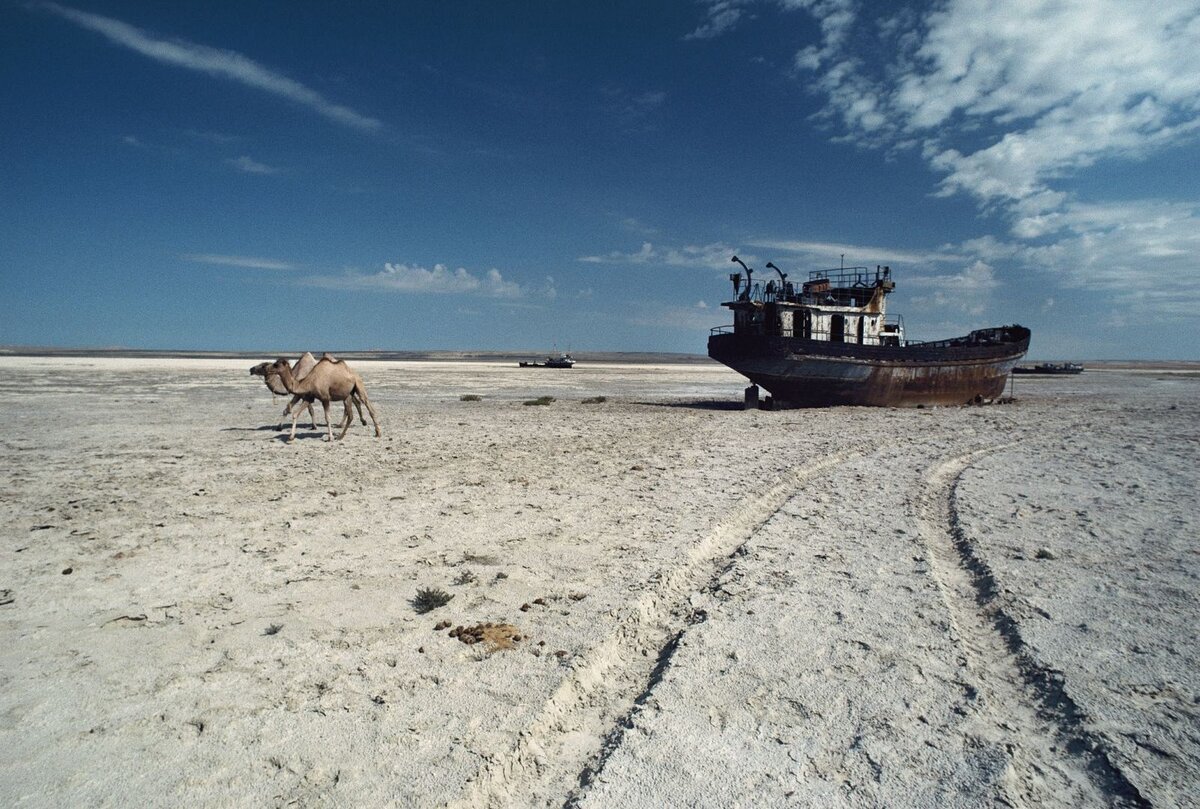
(563, 360)
(1054, 368)
(829, 341)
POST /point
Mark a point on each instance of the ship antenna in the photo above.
(782, 274)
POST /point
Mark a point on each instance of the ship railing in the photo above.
(824, 335)
(851, 276)
(776, 292)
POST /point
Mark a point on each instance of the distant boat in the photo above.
(1050, 368)
(829, 341)
(563, 360)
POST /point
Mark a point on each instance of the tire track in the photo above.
(576, 729)
(1054, 758)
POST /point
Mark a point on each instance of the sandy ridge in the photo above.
(1053, 754)
(567, 742)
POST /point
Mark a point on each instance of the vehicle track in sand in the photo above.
(1054, 758)
(583, 721)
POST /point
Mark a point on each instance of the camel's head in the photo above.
(260, 369)
(273, 368)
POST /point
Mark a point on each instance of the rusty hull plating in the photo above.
(831, 342)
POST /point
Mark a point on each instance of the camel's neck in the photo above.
(275, 383)
(293, 385)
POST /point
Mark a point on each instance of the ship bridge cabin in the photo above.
(844, 305)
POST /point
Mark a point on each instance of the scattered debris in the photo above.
(541, 400)
(470, 397)
(595, 400)
(132, 618)
(440, 625)
(273, 629)
(493, 636)
(6, 597)
(1046, 553)
(68, 571)
(526, 608)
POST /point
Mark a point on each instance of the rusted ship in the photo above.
(563, 360)
(1050, 369)
(829, 341)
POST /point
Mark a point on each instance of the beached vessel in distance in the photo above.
(830, 341)
(1050, 368)
(563, 360)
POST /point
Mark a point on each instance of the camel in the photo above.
(330, 380)
(271, 379)
(300, 370)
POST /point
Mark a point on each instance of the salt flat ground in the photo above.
(856, 607)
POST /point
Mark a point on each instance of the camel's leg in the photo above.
(358, 406)
(295, 418)
(328, 423)
(347, 420)
(361, 390)
(287, 410)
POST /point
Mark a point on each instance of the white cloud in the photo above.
(681, 318)
(1011, 100)
(715, 255)
(645, 255)
(215, 62)
(969, 290)
(1067, 82)
(822, 255)
(438, 280)
(721, 16)
(238, 261)
(252, 166)
(632, 112)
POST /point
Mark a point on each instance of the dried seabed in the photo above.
(844, 607)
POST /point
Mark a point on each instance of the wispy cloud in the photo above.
(238, 261)
(820, 255)
(720, 16)
(439, 279)
(1060, 84)
(969, 290)
(251, 166)
(215, 62)
(219, 138)
(633, 111)
(715, 255)
(698, 318)
(1010, 101)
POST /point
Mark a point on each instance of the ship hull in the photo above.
(818, 373)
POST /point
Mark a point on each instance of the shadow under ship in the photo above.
(831, 342)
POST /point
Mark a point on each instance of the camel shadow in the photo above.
(300, 434)
(261, 429)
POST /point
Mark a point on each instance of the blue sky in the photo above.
(525, 176)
